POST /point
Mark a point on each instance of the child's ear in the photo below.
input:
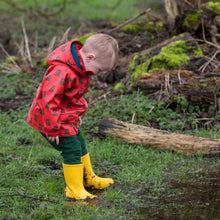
(90, 57)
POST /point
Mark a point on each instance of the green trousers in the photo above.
(72, 148)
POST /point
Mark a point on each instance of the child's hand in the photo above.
(80, 121)
(53, 138)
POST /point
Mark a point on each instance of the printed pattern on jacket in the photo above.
(59, 100)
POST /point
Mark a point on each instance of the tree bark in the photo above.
(158, 139)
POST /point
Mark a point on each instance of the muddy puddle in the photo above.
(196, 197)
(193, 197)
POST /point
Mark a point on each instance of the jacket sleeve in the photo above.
(54, 85)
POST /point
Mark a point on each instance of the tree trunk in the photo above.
(159, 139)
(176, 7)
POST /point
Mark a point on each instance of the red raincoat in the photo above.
(59, 101)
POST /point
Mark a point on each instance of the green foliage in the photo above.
(215, 5)
(21, 84)
(192, 19)
(197, 51)
(182, 101)
(146, 112)
(84, 38)
(137, 70)
(132, 27)
(171, 56)
(137, 27)
(12, 59)
(44, 62)
(119, 87)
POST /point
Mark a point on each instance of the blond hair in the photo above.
(103, 46)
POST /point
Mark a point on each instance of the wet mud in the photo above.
(196, 197)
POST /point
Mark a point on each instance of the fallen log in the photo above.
(158, 139)
(199, 90)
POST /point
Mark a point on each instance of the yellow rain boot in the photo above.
(90, 179)
(73, 175)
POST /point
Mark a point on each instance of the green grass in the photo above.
(82, 10)
(32, 176)
(146, 112)
(18, 84)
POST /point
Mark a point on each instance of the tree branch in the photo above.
(26, 43)
(36, 10)
(46, 14)
(29, 197)
(210, 43)
(203, 67)
(15, 5)
(129, 21)
(117, 4)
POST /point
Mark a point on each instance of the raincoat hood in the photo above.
(62, 55)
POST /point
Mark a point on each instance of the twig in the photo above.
(167, 83)
(132, 120)
(12, 60)
(65, 35)
(152, 108)
(51, 45)
(189, 3)
(210, 43)
(179, 78)
(129, 21)
(138, 92)
(30, 197)
(160, 94)
(117, 4)
(203, 30)
(204, 119)
(7, 69)
(26, 43)
(20, 47)
(199, 4)
(104, 95)
(203, 67)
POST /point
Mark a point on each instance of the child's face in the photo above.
(96, 65)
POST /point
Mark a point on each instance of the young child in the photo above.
(59, 104)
